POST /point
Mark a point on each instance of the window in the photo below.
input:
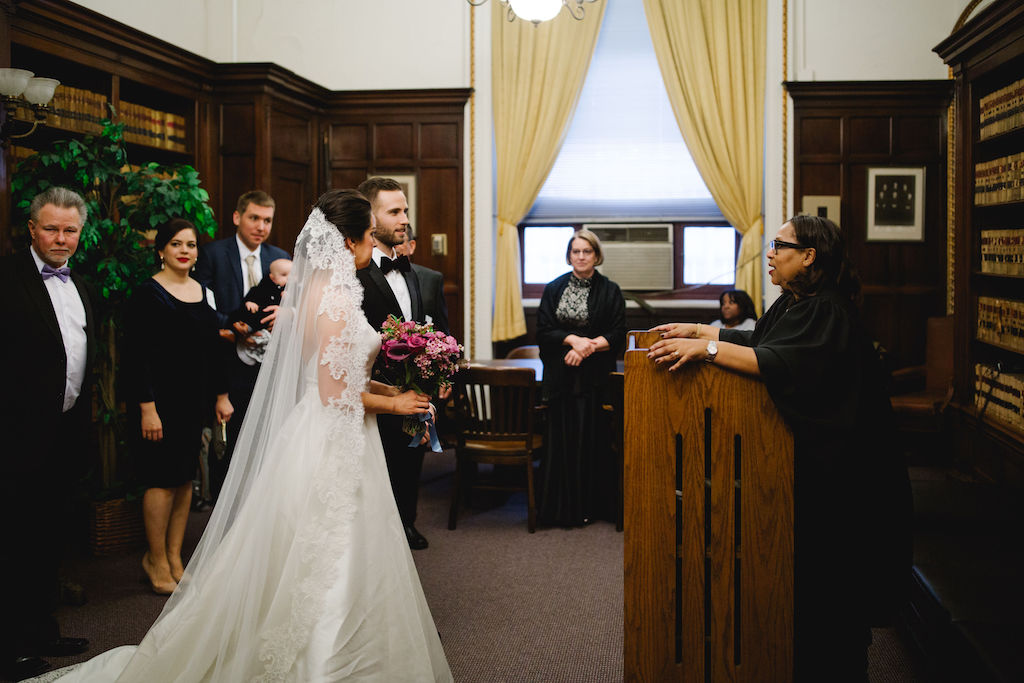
(695, 260)
(624, 162)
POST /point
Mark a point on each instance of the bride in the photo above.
(304, 572)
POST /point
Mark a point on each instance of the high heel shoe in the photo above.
(158, 587)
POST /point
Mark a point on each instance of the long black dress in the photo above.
(577, 477)
(173, 356)
(851, 493)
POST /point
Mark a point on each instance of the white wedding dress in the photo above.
(304, 573)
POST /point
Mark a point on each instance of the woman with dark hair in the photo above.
(175, 368)
(735, 311)
(581, 329)
(303, 572)
(851, 493)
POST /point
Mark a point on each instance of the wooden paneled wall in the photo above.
(841, 129)
(419, 133)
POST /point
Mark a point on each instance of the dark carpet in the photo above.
(509, 605)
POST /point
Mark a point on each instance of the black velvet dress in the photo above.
(577, 476)
(172, 355)
(851, 491)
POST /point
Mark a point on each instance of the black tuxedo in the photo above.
(46, 449)
(404, 463)
(432, 293)
(220, 269)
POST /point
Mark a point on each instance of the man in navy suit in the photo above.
(391, 287)
(45, 418)
(229, 268)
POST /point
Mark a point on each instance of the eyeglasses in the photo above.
(775, 245)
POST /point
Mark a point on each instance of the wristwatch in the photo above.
(712, 351)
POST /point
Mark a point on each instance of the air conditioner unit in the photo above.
(637, 256)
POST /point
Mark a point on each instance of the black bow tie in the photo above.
(400, 264)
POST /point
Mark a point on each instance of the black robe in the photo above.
(578, 481)
(851, 494)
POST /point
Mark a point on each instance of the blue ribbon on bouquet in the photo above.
(435, 444)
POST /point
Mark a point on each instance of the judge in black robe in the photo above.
(851, 491)
(581, 330)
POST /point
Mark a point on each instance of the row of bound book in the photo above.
(999, 394)
(1002, 111)
(999, 180)
(153, 127)
(82, 111)
(78, 110)
(1001, 321)
(1002, 251)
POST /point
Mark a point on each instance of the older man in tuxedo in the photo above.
(45, 420)
(230, 267)
(392, 287)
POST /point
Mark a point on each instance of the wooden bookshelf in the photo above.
(987, 59)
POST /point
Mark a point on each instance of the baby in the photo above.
(267, 293)
(246, 321)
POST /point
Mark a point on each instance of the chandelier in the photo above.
(538, 10)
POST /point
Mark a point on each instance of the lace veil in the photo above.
(248, 602)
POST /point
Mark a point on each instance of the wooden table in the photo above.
(535, 363)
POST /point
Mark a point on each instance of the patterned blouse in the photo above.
(572, 307)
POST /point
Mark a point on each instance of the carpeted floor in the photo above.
(509, 605)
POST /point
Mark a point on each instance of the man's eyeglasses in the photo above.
(775, 245)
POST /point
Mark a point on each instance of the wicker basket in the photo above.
(115, 526)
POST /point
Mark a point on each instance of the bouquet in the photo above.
(422, 359)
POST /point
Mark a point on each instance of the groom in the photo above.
(391, 287)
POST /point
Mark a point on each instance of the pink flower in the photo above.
(396, 350)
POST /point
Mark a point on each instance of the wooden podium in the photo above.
(708, 479)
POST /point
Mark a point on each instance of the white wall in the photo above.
(843, 40)
(184, 22)
(359, 44)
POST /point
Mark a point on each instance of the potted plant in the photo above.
(124, 203)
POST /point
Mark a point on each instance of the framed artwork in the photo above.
(408, 183)
(826, 206)
(895, 204)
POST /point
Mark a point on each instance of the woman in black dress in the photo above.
(851, 491)
(175, 365)
(581, 329)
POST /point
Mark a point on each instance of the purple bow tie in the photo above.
(49, 271)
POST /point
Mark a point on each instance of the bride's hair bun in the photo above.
(348, 210)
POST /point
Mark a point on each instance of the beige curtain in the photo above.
(712, 56)
(537, 73)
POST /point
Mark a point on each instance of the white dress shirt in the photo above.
(396, 279)
(243, 252)
(70, 310)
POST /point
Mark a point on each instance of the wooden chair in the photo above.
(532, 351)
(494, 416)
(614, 410)
(921, 412)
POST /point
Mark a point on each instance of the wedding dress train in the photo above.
(304, 572)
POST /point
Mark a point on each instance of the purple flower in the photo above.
(396, 350)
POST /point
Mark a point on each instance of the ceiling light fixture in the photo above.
(539, 10)
(19, 89)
